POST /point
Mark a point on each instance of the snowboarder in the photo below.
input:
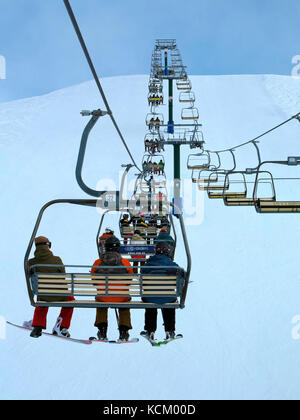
(43, 255)
(165, 237)
(112, 257)
(162, 258)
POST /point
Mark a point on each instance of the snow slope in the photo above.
(237, 324)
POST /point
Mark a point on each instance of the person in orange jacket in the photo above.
(112, 257)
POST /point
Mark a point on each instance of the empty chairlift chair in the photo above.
(199, 161)
(206, 177)
(235, 187)
(274, 206)
(217, 190)
(184, 84)
(187, 97)
(265, 188)
(190, 114)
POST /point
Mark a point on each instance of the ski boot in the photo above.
(59, 330)
(36, 332)
(170, 335)
(102, 331)
(124, 334)
(148, 334)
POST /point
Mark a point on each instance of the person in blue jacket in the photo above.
(162, 258)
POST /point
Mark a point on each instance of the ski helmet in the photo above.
(112, 244)
(163, 247)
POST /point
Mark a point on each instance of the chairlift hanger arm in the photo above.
(82, 150)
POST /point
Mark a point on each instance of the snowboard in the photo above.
(131, 341)
(156, 343)
(73, 340)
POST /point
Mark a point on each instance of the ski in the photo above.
(73, 340)
(131, 341)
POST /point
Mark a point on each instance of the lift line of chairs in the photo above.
(231, 186)
(149, 198)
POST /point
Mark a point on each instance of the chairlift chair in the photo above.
(200, 161)
(186, 86)
(207, 176)
(265, 178)
(215, 189)
(190, 114)
(86, 287)
(227, 192)
(187, 97)
(274, 206)
(154, 121)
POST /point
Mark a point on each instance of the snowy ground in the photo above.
(237, 324)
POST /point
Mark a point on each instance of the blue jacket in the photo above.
(159, 260)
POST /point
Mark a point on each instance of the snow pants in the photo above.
(40, 315)
(151, 319)
(124, 317)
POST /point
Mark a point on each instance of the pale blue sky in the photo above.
(215, 37)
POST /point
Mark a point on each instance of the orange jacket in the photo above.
(127, 264)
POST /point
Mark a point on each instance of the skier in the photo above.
(162, 258)
(43, 255)
(112, 257)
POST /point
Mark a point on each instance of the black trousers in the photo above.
(151, 319)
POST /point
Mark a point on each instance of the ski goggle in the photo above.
(49, 244)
